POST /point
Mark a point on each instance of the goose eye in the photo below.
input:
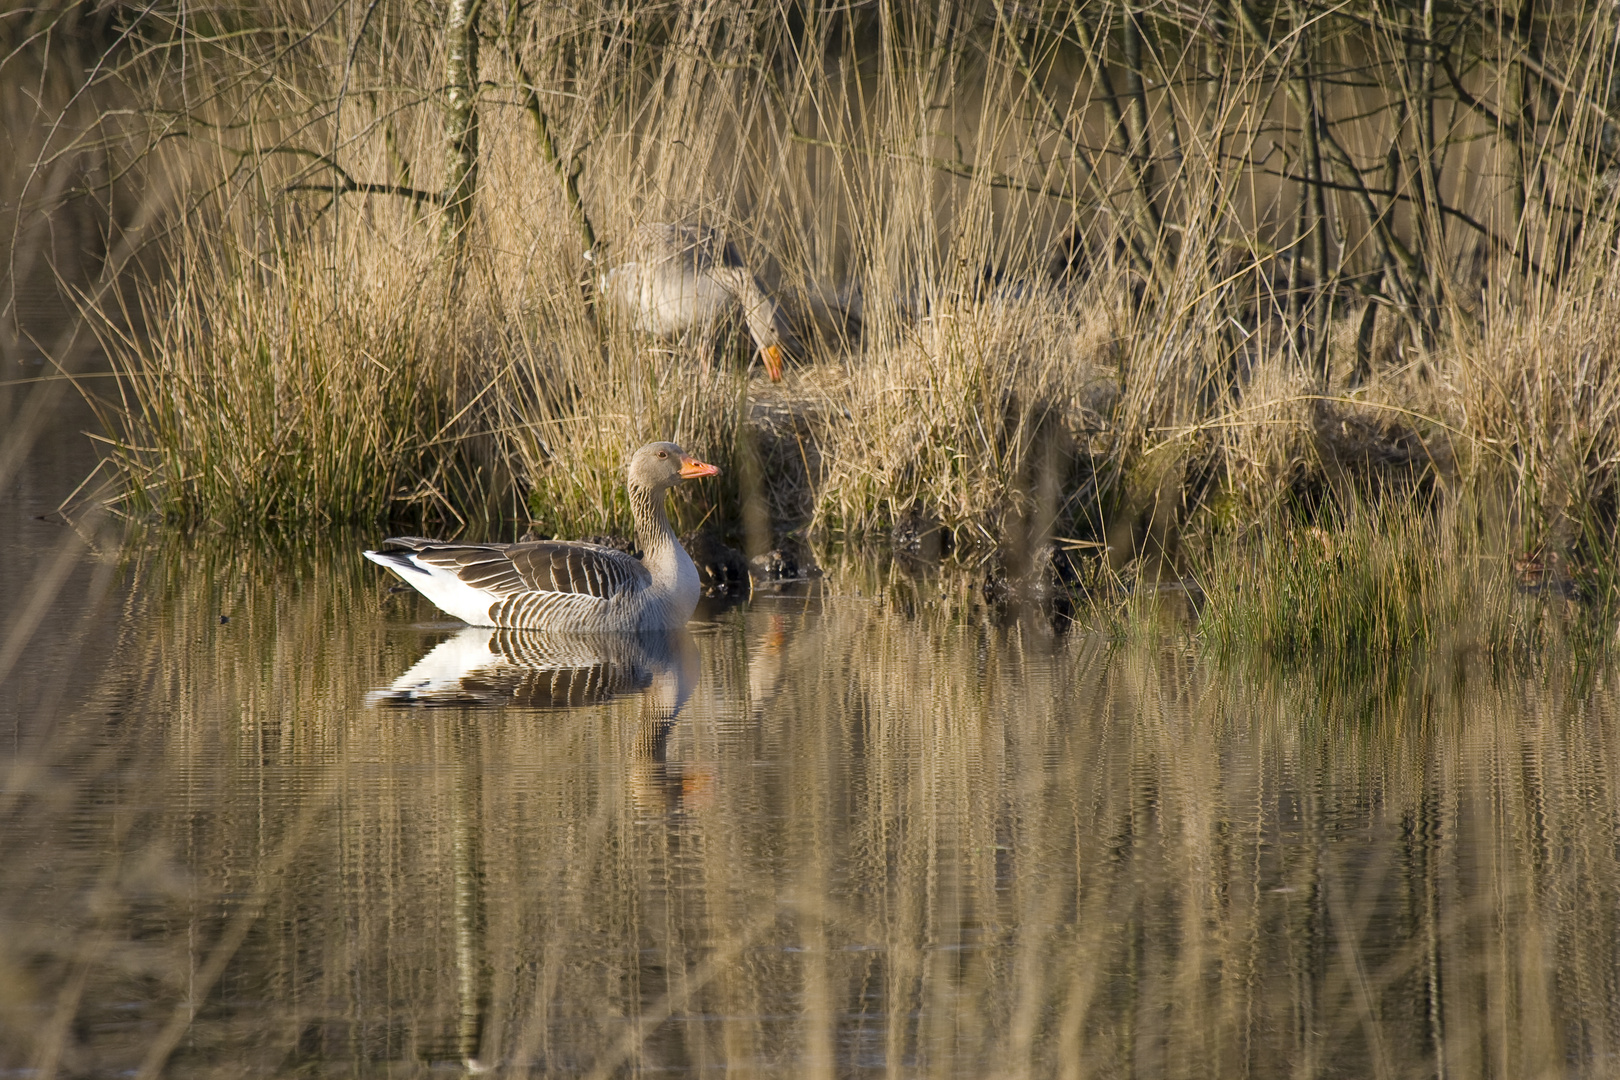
(663, 453)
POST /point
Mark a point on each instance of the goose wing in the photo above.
(534, 584)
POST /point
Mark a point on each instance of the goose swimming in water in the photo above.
(689, 277)
(561, 585)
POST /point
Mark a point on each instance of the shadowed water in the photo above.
(859, 830)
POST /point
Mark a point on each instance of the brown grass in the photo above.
(1225, 342)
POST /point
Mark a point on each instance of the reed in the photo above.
(1051, 283)
(276, 393)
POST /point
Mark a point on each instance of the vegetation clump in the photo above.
(1366, 588)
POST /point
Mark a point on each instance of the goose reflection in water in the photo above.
(537, 669)
(482, 667)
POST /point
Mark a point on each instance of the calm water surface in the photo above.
(856, 829)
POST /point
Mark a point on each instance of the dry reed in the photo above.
(1051, 280)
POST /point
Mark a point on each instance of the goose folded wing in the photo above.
(545, 566)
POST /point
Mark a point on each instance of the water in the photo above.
(281, 820)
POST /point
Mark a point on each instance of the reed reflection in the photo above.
(817, 838)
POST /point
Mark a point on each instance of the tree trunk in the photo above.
(460, 123)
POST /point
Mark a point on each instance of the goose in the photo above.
(686, 277)
(563, 585)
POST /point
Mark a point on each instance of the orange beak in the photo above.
(772, 355)
(692, 468)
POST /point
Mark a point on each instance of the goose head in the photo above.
(659, 466)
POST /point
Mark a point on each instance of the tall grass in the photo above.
(1113, 275)
(279, 392)
(991, 421)
(307, 387)
(1364, 590)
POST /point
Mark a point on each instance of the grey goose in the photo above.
(567, 585)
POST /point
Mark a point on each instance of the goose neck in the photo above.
(653, 531)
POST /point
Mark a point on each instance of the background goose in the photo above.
(561, 585)
(688, 277)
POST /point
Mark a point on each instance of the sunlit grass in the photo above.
(304, 350)
(283, 394)
(1378, 587)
